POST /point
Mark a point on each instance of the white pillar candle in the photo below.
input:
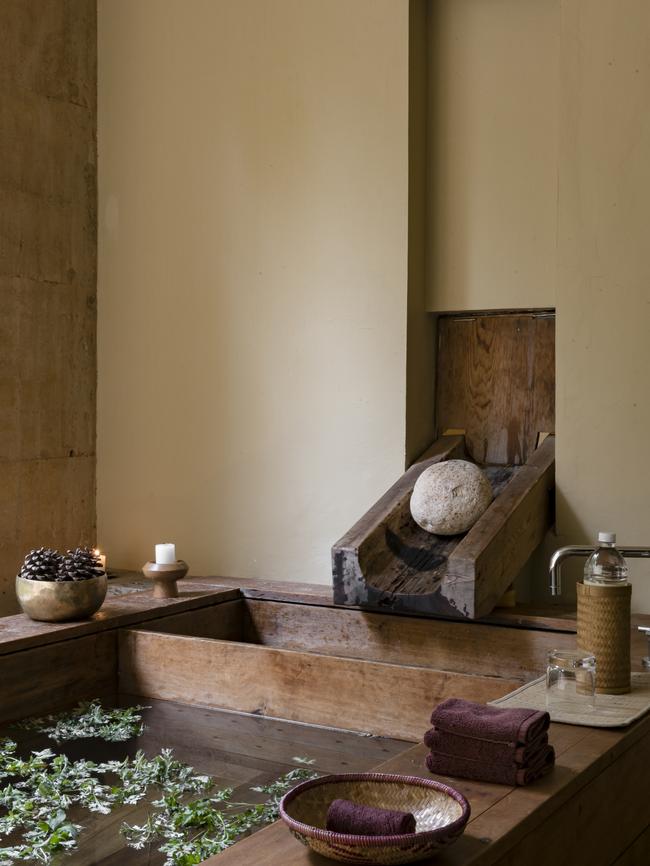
(102, 557)
(165, 554)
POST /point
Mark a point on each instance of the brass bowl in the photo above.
(61, 600)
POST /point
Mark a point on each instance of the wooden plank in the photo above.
(538, 825)
(19, 632)
(497, 547)
(461, 646)
(274, 590)
(496, 380)
(553, 616)
(358, 695)
(44, 679)
(225, 621)
(550, 617)
(237, 746)
(574, 832)
(638, 854)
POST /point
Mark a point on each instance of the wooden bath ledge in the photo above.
(18, 632)
(590, 810)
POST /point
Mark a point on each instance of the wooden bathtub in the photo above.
(284, 651)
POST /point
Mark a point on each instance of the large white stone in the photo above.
(449, 497)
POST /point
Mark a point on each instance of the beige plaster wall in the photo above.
(603, 291)
(252, 276)
(539, 195)
(492, 144)
(47, 279)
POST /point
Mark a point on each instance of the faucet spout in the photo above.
(565, 552)
(556, 563)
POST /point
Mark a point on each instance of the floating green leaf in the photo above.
(190, 820)
(90, 719)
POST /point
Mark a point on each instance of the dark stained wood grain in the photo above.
(496, 380)
(44, 679)
(238, 747)
(638, 853)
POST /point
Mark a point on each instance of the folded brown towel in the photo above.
(503, 773)
(478, 749)
(344, 816)
(515, 725)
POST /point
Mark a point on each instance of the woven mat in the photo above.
(609, 711)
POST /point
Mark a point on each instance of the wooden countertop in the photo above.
(588, 810)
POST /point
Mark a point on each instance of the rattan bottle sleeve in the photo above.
(604, 630)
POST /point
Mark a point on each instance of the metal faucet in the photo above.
(565, 552)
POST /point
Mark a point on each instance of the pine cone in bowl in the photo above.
(80, 564)
(55, 588)
(43, 563)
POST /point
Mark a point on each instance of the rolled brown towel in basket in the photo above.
(514, 725)
(344, 816)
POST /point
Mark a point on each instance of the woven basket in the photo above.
(604, 630)
(441, 814)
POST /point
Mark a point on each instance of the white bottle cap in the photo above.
(607, 537)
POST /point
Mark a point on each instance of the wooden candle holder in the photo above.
(164, 576)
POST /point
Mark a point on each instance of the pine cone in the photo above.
(43, 563)
(80, 564)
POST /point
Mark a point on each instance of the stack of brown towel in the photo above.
(474, 741)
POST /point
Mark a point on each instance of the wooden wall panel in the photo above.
(359, 695)
(485, 650)
(48, 256)
(47, 678)
(221, 622)
(496, 381)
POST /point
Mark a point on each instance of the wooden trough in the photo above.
(496, 397)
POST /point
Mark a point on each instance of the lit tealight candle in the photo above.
(165, 554)
(102, 557)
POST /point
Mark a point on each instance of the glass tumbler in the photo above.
(570, 681)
